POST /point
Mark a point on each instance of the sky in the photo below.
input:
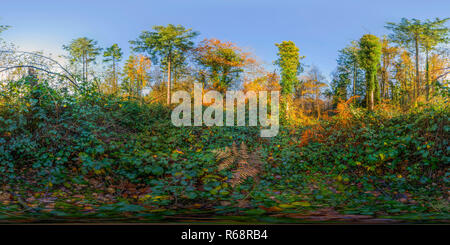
(318, 27)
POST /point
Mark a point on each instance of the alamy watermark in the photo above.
(213, 114)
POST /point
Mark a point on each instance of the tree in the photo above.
(224, 62)
(269, 81)
(136, 72)
(289, 63)
(439, 69)
(290, 66)
(316, 81)
(434, 33)
(163, 44)
(369, 57)
(404, 75)
(84, 51)
(352, 55)
(339, 84)
(178, 66)
(113, 54)
(413, 34)
(409, 33)
(348, 71)
(388, 54)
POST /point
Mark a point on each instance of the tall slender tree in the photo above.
(413, 34)
(369, 58)
(83, 50)
(388, 54)
(113, 54)
(434, 33)
(317, 81)
(348, 72)
(163, 44)
(352, 52)
(404, 75)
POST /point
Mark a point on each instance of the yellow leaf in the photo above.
(178, 151)
(302, 203)
(286, 206)
(98, 171)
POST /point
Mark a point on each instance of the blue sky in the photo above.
(319, 28)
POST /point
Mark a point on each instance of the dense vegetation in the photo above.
(376, 149)
(88, 153)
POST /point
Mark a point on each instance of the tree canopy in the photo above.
(165, 44)
(83, 50)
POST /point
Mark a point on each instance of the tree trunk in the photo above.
(86, 69)
(83, 67)
(317, 102)
(302, 102)
(416, 92)
(427, 77)
(168, 80)
(370, 90)
(376, 88)
(371, 100)
(355, 76)
(384, 75)
(114, 75)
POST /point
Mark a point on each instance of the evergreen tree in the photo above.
(164, 44)
(113, 54)
(83, 50)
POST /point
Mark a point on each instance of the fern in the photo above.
(246, 165)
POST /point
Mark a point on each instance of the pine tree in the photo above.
(164, 44)
(113, 54)
(83, 50)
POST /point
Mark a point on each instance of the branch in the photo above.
(38, 68)
(443, 75)
(48, 58)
